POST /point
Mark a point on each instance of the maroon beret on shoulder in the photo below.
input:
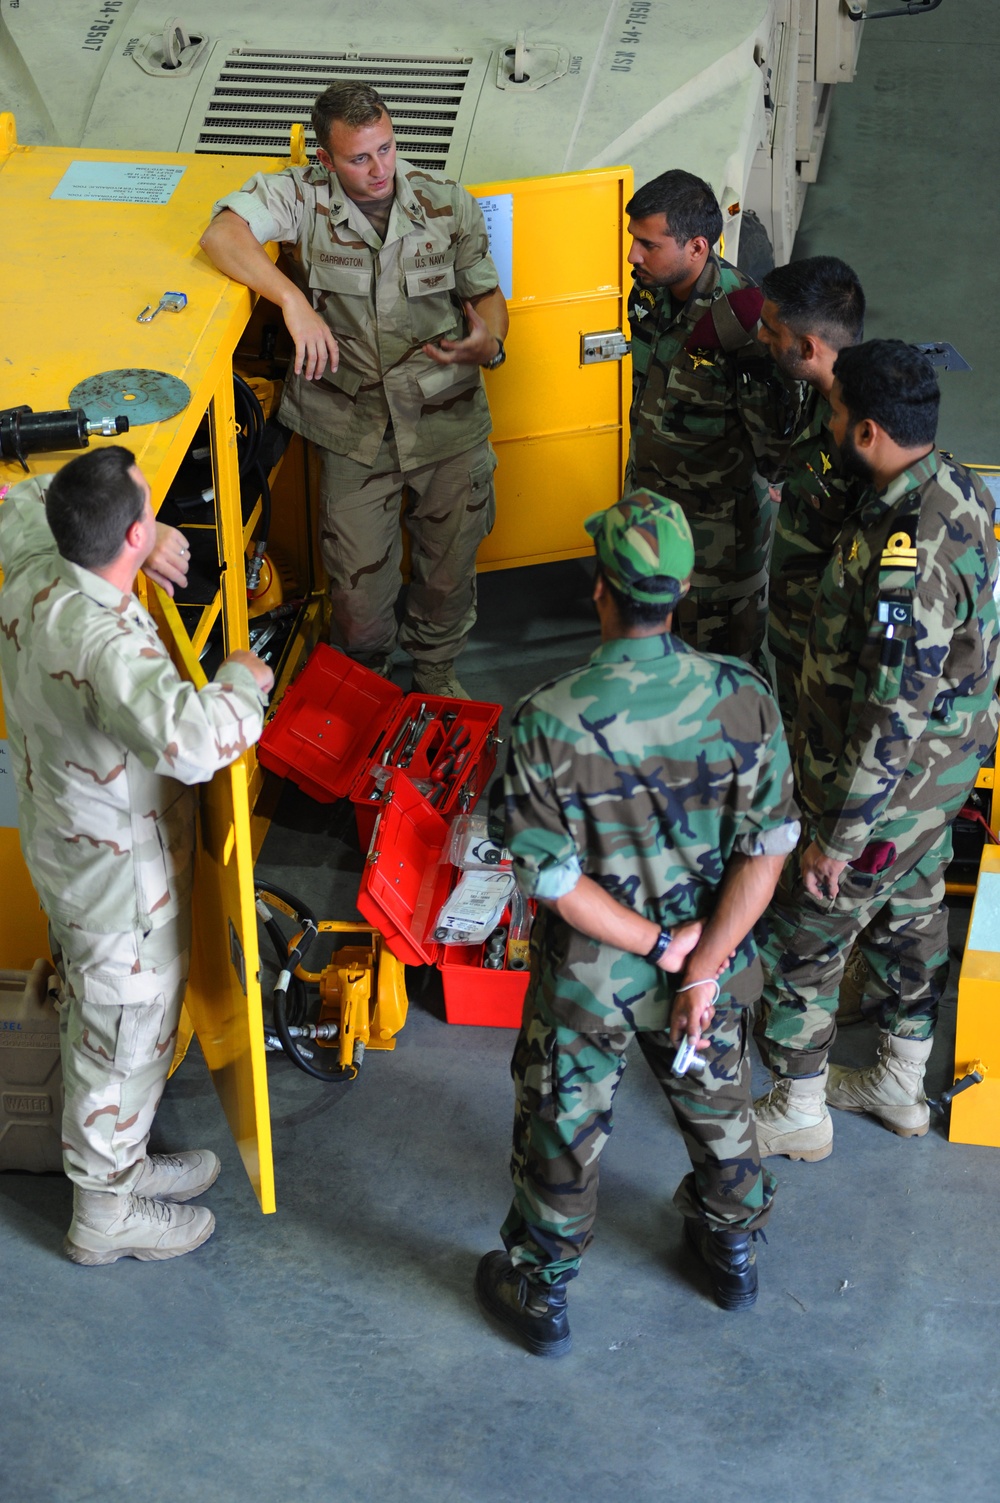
(746, 303)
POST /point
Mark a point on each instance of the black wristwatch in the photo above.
(498, 358)
(662, 941)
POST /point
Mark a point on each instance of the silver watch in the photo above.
(498, 358)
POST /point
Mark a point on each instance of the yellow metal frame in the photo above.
(975, 1114)
(76, 276)
(356, 974)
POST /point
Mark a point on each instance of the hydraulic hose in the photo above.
(250, 421)
(289, 958)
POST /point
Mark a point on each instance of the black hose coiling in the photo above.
(250, 423)
(289, 999)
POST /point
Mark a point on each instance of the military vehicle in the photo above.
(736, 90)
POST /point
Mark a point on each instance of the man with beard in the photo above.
(897, 714)
(812, 310)
(708, 407)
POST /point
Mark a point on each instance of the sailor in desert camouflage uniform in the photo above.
(647, 792)
(104, 739)
(898, 711)
(393, 302)
(710, 412)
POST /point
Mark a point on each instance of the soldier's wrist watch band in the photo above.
(498, 358)
(662, 941)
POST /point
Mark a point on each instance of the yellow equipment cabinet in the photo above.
(78, 271)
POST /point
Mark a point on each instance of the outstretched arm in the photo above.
(231, 245)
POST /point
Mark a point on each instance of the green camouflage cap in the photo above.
(644, 547)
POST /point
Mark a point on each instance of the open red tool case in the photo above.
(341, 730)
(406, 879)
(329, 734)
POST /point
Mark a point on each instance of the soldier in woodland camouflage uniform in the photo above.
(104, 737)
(395, 263)
(898, 712)
(647, 791)
(708, 407)
(812, 310)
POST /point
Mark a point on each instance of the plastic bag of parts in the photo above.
(471, 847)
(473, 909)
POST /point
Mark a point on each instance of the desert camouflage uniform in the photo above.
(104, 737)
(703, 422)
(816, 499)
(389, 416)
(898, 712)
(645, 770)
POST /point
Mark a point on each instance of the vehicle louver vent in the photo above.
(261, 95)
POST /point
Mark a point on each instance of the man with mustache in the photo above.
(897, 713)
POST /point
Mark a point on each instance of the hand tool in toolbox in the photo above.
(341, 731)
(408, 877)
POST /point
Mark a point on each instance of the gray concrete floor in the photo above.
(334, 1351)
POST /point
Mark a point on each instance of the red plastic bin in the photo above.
(406, 879)
(333, 723)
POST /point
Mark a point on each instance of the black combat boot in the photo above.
(536, 1313)
(731, 1262)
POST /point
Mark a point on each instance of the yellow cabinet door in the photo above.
(560, 424)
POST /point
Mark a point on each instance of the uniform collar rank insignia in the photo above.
(899, 552)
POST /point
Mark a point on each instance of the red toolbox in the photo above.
(338, 721)
(406, 879)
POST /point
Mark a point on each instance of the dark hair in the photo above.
(91, 504)
(894, 385)
(818, 295)
(352, 103)
(633, 613)
(690, 206)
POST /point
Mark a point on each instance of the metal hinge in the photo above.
(608, 344)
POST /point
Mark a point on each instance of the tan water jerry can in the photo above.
(30, 1072)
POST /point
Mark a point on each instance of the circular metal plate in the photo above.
(141, 396)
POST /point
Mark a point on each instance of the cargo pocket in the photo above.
(430, 309)
(698, 405)
(342, 380)
(120, 1018)
(482, 495)
(533, 1071)
(437, 379)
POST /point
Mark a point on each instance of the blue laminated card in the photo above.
(119, 182)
